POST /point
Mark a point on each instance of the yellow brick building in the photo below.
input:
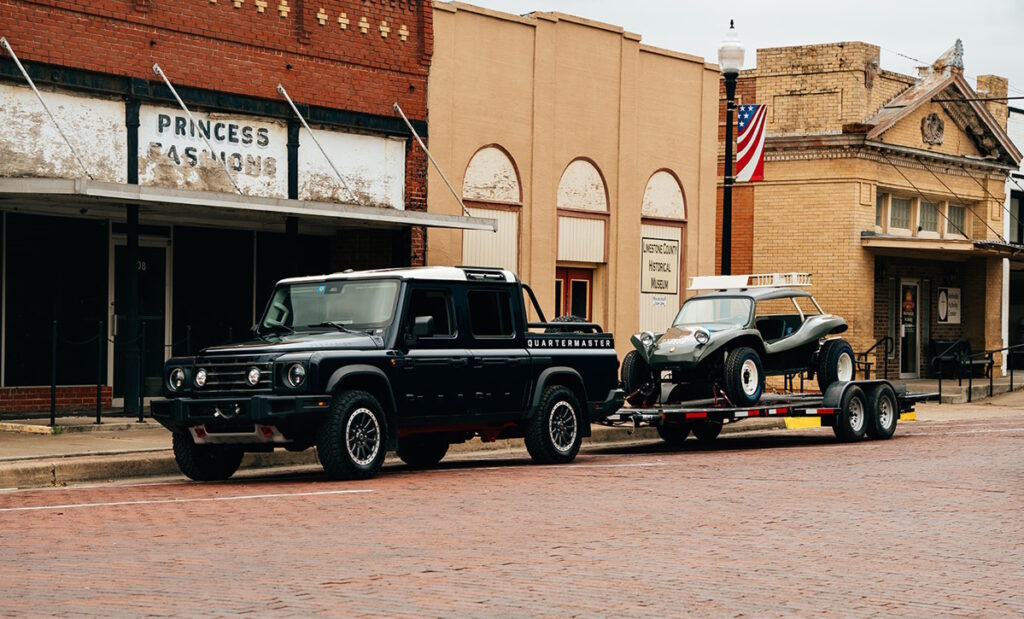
(890, 189)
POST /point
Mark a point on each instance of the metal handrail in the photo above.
(862, 358)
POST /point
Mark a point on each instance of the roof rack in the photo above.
(759, 280)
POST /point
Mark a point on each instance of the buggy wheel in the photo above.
(883, 412)
(637, 379)
(835, 363)
(744, 377)
(851, 421)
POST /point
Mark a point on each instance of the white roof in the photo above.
(457, 274)
(757, 280)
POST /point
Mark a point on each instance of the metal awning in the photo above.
(942, 249)
(85, 194)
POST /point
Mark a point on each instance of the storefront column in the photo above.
(132, 379)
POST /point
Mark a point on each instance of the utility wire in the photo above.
(985, 189)
(921, 193)
(962, 201)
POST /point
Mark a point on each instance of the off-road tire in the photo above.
(422, 450)
(568, 318)
(204, 462)
(339, 444)
(554, 433)
(832, 355)
(707, 431)
(883, 412)
(635, 374)
(674, 433)
(851, 420)
(737, 365)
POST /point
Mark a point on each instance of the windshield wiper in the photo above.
(335, 324)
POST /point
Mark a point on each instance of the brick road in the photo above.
(786, 523)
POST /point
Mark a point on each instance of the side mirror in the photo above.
(254, 330)
(423, 326)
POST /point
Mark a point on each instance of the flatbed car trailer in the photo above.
(853, 409)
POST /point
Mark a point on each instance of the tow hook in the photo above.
(220, 414)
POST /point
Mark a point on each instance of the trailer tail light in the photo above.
(267, 431)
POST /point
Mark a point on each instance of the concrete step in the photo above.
(958, 394)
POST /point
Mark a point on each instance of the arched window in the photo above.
(491, 189)
(582, 188)
(662, 244)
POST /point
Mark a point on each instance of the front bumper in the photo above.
(269, 409)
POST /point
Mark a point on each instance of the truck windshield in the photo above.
(353, 304)
(732, 310)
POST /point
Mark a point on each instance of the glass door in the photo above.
(574, 292)
(151, 267)
(910, 345)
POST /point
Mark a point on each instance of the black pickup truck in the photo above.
(412, 360)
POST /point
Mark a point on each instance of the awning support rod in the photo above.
(284, 93)
(10, 50)
(465, 210)
(213, 153)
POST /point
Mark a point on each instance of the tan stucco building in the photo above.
(595, 153)
(890, 189)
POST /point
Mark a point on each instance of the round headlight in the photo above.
(296, 375)
(253, 377)
(176, 379)
(702, 336)
(647, 339)
(200, 377)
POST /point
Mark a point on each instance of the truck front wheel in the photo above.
(350, 441)
(204, 462)
(553, 435)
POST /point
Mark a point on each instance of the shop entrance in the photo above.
(574, 292)
(153, 270)
(910, 344)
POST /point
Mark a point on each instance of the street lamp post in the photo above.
(730, 59)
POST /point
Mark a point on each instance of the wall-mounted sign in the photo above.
(949, 306)
(659, 270)
(173, 152)
(31, 145)
(373, 168)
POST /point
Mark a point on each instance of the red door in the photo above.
(574, 292)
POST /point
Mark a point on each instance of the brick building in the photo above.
(1013, 272)
(143, 234)
(889, 188)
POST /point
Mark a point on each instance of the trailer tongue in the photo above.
(853, 409)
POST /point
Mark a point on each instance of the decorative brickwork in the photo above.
(37, 399)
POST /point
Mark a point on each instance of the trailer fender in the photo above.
(833, 396)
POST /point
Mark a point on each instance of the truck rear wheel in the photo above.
(883, 412)
(674, 433)
(553, 435)
(350, 441)
(422, 450)
(744, 377)
(204, 462)
(851, 420)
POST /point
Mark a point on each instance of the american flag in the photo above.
(750, 143)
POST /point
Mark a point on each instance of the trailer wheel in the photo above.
(637, 379)
(674, 433)
(835, 363)
(883, 412)
(851, 420)
(707, 431)
(744, 377)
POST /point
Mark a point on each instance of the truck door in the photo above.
(426, 385)
(499, 364)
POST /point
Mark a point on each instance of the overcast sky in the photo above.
(992, 30)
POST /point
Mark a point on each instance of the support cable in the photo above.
(921, 193)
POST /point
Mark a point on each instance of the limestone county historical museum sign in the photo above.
(659, 270)
(173, 153)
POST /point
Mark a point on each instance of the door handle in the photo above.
(459, 363)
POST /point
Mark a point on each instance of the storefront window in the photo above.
(899, 215)
(1016, 223)
(929, 217)
(955, 225)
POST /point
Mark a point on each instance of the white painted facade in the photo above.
(582, 188)
(373, 168)
(581, 240)
(31, 145)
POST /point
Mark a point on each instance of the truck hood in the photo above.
(297, 342)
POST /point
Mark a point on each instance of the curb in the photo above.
(61, 471)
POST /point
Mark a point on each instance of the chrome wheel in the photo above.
(857, 414)
(844, 368)
(362, 436)
(562, 426)
(749, 377)
(886, 415)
